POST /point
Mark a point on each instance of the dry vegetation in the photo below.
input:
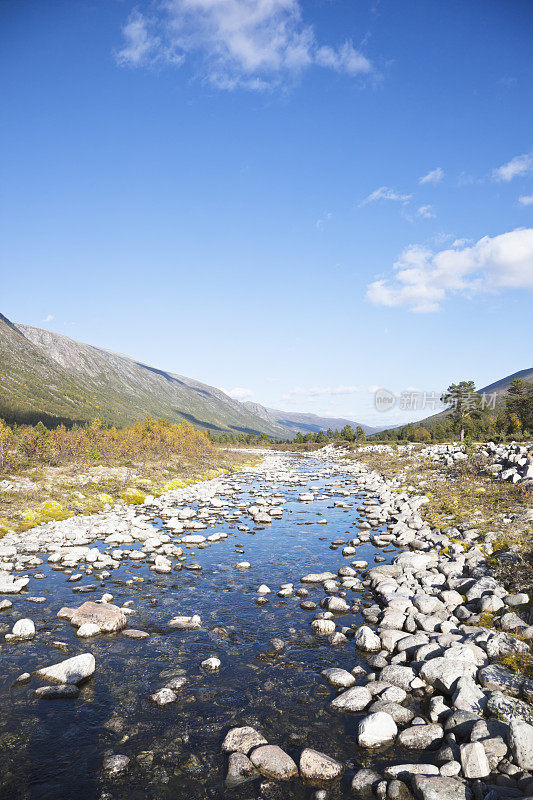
(55, 474)
(466, 495)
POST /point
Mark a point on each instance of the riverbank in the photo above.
(308, 599)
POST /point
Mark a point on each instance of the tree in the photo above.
(348, 433)
(360, 434)
(519, 401)
(464, 402)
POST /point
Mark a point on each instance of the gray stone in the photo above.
(72, 670)
(339, 678)
(317, 767)
(440, 788)
(273, 762)
(242, 740)
(108, 617)
(240, 770)
(421, 737)
(474, 761)
(66, 692)
(355, 699)
(521, 743)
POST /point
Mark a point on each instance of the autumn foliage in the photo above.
(146, 440)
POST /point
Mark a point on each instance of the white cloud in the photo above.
(434, 176)
(426, 212)
(251, 44)
(49, 318)
(526, 199)
(321, 222)
(519, 165)
(239, 393)
(385, 193)
(423, 279)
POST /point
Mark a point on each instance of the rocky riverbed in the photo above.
(292, 631)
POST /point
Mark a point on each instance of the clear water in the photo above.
(53, 750)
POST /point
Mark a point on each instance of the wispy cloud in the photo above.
(321, 391)
(385, 193)
(239, 393)
(422, 279)
(526, 200)
(517, 166)
(426, 212)
(322, 221)
(434, 176)
(49, 318)
(250, 44)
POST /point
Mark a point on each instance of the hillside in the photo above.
(47, 376)
(295, 421)
(499, 388)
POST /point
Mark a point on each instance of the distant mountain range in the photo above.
(47, 376)
(306, 423)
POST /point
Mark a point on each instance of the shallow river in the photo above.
(53, 750)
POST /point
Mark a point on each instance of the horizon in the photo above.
(383, 415)
(282, 204)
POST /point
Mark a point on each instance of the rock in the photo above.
(87, 630)
(242, 740)
(365, 639)
(439, 788)
(24, 629)
(421, 737)
(443, 673)
(496, 677)
(400, 676)
(468, 696)
(108, 617)
(115, 764)
(504, 707)
(355, 699)
(11, 585)
(521, 743)
(164, 696)
(66, 692)
(400, 714)
(474, 760)
(317, 767)
(211, 664)
(132, 633)
(73, 670)
(273, 762)
(186, 623)
(376, 729)
(339, 678)
(405, 770)
(323, 627)
(318, 577)
(5, 604)
(240, 770)
(363, 783)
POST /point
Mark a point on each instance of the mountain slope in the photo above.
(295, 421)
(47, 376)
(499, 388)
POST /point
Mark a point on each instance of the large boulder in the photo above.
(317, 767)
(273, 762)
(376, 729)
(242, 740)
(521, 743)
(355, 699)
(73, 670)
(106, 616)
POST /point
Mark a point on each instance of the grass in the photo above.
(55, 493)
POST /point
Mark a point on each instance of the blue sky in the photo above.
(296, 200)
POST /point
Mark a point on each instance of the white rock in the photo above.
(376, 729)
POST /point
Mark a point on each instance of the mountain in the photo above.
(500, 387)
(294, 421)
(49, 377)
